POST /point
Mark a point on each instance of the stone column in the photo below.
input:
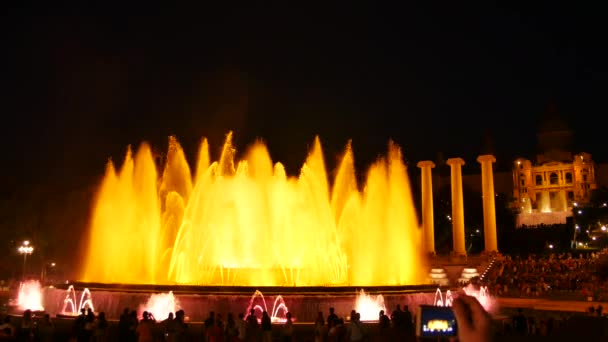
(489, 208)
(427, 205)
(562, 201)
(457, 206)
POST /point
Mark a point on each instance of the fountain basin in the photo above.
(303, 302)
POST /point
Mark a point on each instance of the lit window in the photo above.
(553, 179)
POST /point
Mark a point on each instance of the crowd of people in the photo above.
(28, 328)
(89, 326)
(531, 276)
(553, 275)
(399, 325)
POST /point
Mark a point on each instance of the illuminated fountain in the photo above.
(71, 307)
(480, 292)
(245, 222)
(30, 296)
(160, 305)
(443, 301)
(483, 296)
(278, 312)
(369, 306)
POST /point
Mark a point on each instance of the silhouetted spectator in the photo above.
(7, 329)
(520, 323)
(145, 328)
(266, 327)
(26, 329)
(288, 329)
(252, 326)
(331, 317)
(241, 327)
(46, 329)
(123, 325)
(320, 328)
(231, 331)
(181, 327)
(100, 334)
(356, 332)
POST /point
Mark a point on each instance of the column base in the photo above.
(458, 257)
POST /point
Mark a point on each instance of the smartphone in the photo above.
(435, 321)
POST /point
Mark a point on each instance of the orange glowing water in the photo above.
(30, 296)
(160, 305)
(245, 222)
(369, 306)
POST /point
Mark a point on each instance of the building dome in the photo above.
(552, 121)
(554, 135)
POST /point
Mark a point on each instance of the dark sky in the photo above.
(80, 84)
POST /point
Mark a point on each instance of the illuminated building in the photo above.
(544, 191)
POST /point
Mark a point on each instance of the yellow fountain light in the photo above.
(438, 325)
(246, 222)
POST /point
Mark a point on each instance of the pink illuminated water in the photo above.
(279, 308)
(30, 296)
(480, 292)
(160, 305)
(73, 307)
(443, 301)
(369, 306)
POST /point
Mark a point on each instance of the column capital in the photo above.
(425, 163)
(455, 161)
(486, 158)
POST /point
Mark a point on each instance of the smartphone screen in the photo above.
(435, 321)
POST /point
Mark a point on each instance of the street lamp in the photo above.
(25, 249)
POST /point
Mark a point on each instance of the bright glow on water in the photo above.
(278, 312)
(443, 301)
(30, 296)
(369, 306)
(245, 222)
(160, 305)
(480, 292)
(71, 306)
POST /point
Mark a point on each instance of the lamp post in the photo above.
(25, 249)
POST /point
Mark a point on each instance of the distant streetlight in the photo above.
(48, 267)
(25, 249)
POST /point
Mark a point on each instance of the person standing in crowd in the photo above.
(266, 327)
(288, 329)
(46, 329)
(320, 328)
(241, 327)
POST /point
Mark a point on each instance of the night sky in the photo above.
(80, 84)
